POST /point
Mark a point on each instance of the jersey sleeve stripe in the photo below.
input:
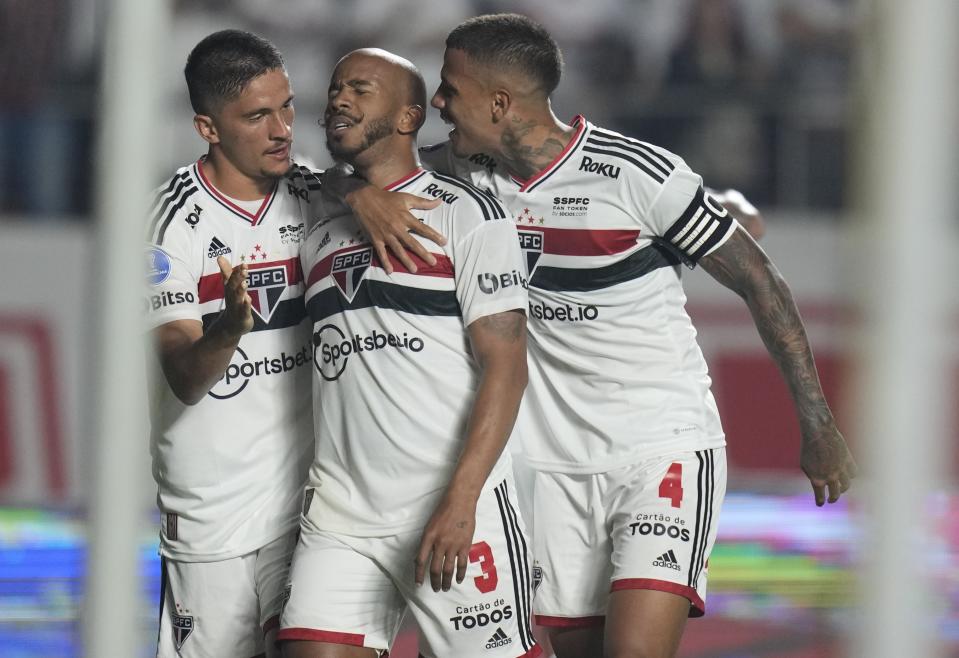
(637, 144)
(180, 183)
(310, 178)
(492, 208)
(161, 234)
(631, 148)
(701, 227)
(655, 175)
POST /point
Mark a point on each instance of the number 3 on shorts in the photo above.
(671, 487)
(482, 553)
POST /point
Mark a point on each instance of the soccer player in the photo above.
(232, 436)
(417, 382)
(618, 423)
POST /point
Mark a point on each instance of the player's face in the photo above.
(361, 107)
(255, 129)
(463, 102)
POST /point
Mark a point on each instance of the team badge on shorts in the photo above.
(348, 269)
(182, 627)
(531, 242)
(265, 287)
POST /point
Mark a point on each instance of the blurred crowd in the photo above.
(754, 94)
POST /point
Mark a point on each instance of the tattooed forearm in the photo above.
(742, 266)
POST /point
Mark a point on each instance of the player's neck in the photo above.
(225, 177)
(530, 144)
(385, 167)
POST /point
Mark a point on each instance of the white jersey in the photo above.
(394, 376)
(230, 470)
(616, 375)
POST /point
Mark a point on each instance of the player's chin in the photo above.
(276, 168)
(458, 146)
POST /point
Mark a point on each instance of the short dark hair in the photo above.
(512, 41)
(222, 64)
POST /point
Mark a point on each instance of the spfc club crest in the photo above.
(182, 627)
(537, 577)
(349, 268)
(266, 286)
(531, 242)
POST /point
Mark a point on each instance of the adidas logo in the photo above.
(668, 560)
(499, 639)
(217, 248)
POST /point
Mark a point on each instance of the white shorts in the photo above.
(223, 608)
(356, 590)
(650, 525)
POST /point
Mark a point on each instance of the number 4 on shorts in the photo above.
(672, 485)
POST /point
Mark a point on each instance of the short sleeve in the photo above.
(490, 276)
(688, 219)
(172, 282)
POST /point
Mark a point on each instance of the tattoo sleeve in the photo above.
(740, 265)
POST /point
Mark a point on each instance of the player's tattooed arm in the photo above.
(193, 360)
(385, 216)
(742, 266)
(499, 346)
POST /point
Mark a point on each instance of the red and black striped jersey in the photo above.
(394, 377)
(616, 375)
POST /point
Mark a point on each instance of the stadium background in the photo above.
(755, 94)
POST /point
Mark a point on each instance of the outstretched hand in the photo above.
(827, 462)
(386, 218)
(237, 317)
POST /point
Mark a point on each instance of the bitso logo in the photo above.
(169, 298)
(158, 266)
(490, 283)
(266, 286)
(349, 268)
(531, 242)
(332, 348)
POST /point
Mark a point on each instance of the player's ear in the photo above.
(206, 128)
(499, 104)
(412, 118)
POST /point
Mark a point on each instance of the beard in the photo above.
(376, 130)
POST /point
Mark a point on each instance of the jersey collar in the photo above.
(253, 219)
(578, 122)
